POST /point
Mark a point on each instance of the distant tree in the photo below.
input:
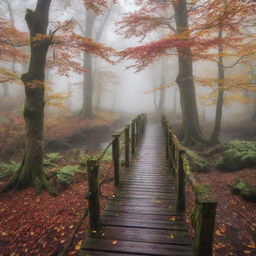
(228, 20)
(89, 29)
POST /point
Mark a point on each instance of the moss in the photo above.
(245, 190)
(238, 155)
(199, 164)
(201, 189)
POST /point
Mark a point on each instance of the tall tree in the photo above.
(89, 30)
(146, 20)
(69, 45)
(31, 170)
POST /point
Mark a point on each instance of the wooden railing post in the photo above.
(133, 138)
(93, 195)
(170, 149)
(140, 125)
(205, 213)
(180, 176)
(137, 130)
(127, 145)
(167, 145)
(115, 157)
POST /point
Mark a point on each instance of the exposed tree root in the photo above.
(21, 180)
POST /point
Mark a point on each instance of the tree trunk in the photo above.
(190, 132)
(161, 105)
(214, 139)
(87, 109)
(31, 171)
(175, 100)
(6, 92)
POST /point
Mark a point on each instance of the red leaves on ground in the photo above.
(43, 225)
(235, 227)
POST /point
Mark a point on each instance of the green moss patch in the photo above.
(238, 155)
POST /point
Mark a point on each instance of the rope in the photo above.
(72, 237)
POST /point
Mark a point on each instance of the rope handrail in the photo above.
(205, 201)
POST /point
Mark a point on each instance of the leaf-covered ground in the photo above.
(235, 228)
(42, 225)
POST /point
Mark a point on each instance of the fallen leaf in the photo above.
(173, 218)
(78, 245)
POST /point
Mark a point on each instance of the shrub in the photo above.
(66, 175)
(246, 191)
(238, 155)
(51, 158)
(199, 164)
(8, 169)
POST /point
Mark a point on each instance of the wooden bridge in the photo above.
(145, 216)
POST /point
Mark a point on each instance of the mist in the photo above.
(139, 114)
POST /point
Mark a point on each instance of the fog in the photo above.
(129, 91)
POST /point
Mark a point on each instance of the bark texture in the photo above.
(31, 171)
(214, 139)
(190, 132)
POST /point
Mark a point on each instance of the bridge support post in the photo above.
(93, 196)
(127, 145)
(115, 157)
(133, 139)
(205, 212)
(137, 130)
(181, 203)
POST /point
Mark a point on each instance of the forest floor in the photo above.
(43, 225)
(235, 228)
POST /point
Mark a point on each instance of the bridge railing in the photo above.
(203, 215)
(123, 145)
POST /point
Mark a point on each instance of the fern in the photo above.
(51, 158)
(8, 169)
(66, 175)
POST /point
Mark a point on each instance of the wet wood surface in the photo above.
(142, 219)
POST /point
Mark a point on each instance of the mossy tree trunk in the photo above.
(31, 171)
(190, 131)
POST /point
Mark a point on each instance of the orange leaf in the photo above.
(78, 245)
(114, 242)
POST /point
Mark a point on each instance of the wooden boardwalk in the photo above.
(142, 219)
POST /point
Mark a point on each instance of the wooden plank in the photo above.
(134, 202)
(106, 245)
(101, 253)
(141, 216)
(147, 235)
(142, 210)
(146, 223)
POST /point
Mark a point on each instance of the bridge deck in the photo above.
(142, 219)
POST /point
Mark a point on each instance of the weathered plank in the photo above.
(121, 246)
